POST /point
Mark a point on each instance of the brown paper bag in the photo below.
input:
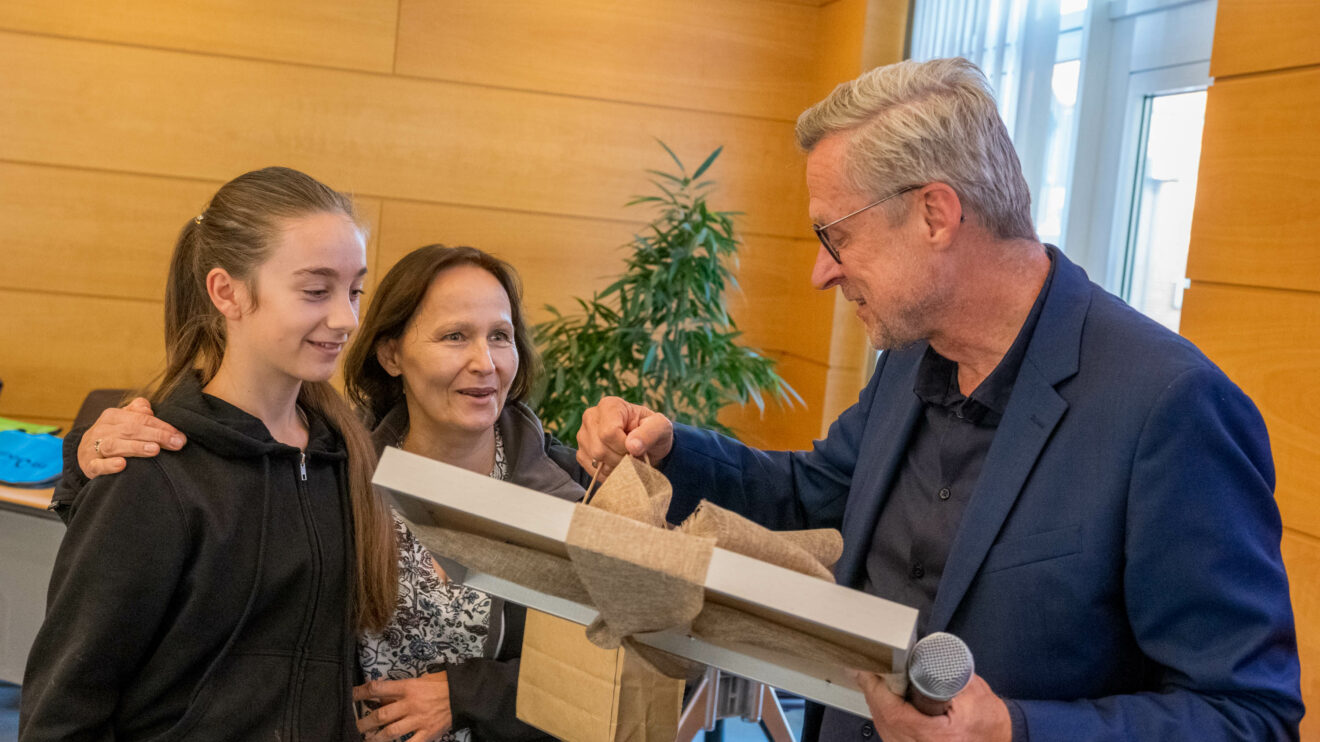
(576, 691)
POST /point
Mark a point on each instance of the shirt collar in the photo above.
(937, 376)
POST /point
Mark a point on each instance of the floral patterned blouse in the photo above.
(436, 622)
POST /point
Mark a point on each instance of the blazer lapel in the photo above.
(1034, 410)
(879, 456)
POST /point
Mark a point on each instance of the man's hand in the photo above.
(417, 705)
(131, 430)
(975, 714)
(615, 428)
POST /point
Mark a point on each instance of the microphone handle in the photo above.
(925, 704)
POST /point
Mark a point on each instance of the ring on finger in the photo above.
(595, 463)
(96, 446)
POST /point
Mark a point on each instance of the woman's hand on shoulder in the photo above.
(132, 430)
(416, 705)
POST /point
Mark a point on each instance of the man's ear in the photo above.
(941, 211)
(228, 294)
(387, 353)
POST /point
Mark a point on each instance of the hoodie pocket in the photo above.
(245, 697)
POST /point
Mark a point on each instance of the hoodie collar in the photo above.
(229, 431)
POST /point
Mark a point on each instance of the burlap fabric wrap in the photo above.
(643, 576)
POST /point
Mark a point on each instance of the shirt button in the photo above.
(868, 731)
(918, 571)
(944, 493)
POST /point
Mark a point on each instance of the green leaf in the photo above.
(679, 181)
(672, 155)
(709, 161)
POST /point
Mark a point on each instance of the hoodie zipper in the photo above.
(314, 542)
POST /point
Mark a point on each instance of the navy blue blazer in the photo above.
(1117, 572)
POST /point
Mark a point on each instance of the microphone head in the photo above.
(940, 666)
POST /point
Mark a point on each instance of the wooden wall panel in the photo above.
(367, 212)
(96, 233)
(732, 56)
(1268, 342)
(791, 428)
(69, 345)
(843, 26)
(1301, 556)
(376, 135)
(357, 34)
(100, 233)
(557, 257)
(1258, 192)
(1257, 35)
(886, 32)
(777, 307)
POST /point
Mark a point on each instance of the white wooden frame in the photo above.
(429, 491)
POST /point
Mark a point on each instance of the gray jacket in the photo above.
(483, 692)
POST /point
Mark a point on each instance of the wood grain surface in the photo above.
(1258, 192)
(357, 34)
(375, 135)
(1260, 35)
(729, 56)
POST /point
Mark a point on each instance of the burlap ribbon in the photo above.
(644, 576)
(812, 552)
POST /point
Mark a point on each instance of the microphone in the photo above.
(938, 668)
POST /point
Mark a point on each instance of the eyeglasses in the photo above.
(824, 236)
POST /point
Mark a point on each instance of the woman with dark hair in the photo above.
(441, 366)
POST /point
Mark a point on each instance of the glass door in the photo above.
(1163, 194)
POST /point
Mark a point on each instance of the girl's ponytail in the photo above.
(194, 329)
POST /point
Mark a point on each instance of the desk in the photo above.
(29, 538)
(24, 500)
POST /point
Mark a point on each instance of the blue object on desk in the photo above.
(28, 460)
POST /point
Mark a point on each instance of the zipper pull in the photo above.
(302, 464)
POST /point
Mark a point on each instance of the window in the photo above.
(1160, 222)
(1093, 97)
(1065, 77)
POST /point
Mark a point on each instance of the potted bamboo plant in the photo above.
(660, 334)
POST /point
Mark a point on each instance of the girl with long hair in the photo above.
(216, 592)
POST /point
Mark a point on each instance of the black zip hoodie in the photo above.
(202, 594)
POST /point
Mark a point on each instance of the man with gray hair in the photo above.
(1075, 491)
